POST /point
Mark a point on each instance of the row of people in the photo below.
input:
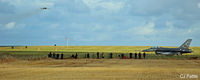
(56, 56)
(122, 56)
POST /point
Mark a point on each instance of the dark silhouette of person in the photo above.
(88, 55)
(76, 56)
(57, 56)
(61, 56)
(102, 55)
(72, 55)
(12, 47)
(144, 55)
(50, 55)
(135, 55)
(97, 55)
(122, 56)
(111, 55)
(130, 55)
(54, 55)
(139, 55)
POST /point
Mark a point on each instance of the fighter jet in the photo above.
(184, 48)
(44, 8)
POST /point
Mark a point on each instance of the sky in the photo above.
(99, 22)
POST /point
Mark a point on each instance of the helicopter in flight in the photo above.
(44, 8)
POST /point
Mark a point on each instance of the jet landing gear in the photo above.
(179, 54)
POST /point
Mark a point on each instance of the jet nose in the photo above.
(146, 50)
(190, 50)
(143, 50)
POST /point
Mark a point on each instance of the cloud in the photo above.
(194, 30)
(92, 32)
(147, 29)
(55, 25)
(101, 20)
(198, 5)
(5, 7)
(10, 25)
(97, 27)
(143, 29)
(112, 6)
(170, 26)
(1, 26)
(36, 3)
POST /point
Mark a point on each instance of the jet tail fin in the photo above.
(186, 44)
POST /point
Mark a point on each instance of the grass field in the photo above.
(114, 49)
(32, 63)
(98, 69)
(38, 52)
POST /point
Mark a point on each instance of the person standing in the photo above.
(61, 56)
(119, 56)
(49, 54)
(76, 56)
(57, 56)
(12, 47)
(111, 55)
(130, 55)
(135, 55)
(97, 55)
(88, 55)
(139, 55)
(54, 55)
(144, 55)
(102, 55)
(122, 55)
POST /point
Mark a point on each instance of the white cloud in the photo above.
(56, 25)
(36, 3)
(170, 26)
(144, 29)
(106, 5)
(91, 3)
(10, 25)
(96, 28)
(1, 26)
(115, 6)
(101, 28)
(198, 5)
(147, 29)
(194, 29)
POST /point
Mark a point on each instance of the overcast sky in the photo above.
(100, 22)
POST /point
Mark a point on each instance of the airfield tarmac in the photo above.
(98, 69)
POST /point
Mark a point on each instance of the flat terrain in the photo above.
(98, 69)
(32, 63)
(72, 49)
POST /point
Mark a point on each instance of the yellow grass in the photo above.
(98, 69)
(121, 49)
